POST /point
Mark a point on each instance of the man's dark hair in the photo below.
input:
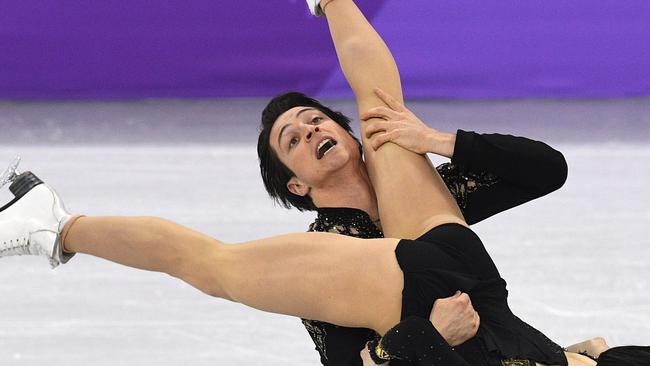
(275, 174)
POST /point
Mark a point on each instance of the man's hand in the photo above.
(455, 318)
(405, 129)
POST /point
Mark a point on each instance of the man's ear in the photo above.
(297, 187)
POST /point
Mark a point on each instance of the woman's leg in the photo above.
(411, 195)
(327, 277)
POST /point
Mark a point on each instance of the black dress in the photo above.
(451, 257)
(489, 173)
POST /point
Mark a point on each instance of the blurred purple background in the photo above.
(462, 49)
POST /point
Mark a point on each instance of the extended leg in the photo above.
(411, 195)
(318, 276)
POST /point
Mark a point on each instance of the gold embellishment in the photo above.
(379, 351)
(515, 363)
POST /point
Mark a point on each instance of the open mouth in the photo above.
(324, 147)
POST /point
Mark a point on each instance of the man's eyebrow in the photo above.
(304, 110)
(280, 135)
(287, 125)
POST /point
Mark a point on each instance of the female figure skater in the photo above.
(337, 279)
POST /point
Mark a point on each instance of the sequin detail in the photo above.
(377, 353)
(344, 221)
(516, 363)
(318, 333)
(461, 184)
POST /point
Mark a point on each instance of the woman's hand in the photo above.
(405, 129)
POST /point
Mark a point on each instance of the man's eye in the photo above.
(293, 141)
(315, 120)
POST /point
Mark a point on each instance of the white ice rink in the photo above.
(577, 262)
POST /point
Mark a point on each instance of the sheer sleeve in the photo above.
(491, 173)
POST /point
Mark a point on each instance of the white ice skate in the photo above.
(314, 7)
(31, 223)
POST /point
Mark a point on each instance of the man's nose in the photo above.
(310, 134)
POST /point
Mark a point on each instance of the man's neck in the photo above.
(348, 189)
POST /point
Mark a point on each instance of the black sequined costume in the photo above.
(415, 339)
(489, 173)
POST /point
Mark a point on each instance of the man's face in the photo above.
(312, 145)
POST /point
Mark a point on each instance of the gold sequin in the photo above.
(515, 363)
(379, 351)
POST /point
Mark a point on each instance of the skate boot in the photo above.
(32, 222)
(314, 7)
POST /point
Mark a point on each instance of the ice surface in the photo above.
(577, 262)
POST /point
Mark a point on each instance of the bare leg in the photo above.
(318, 276)
(411, 195)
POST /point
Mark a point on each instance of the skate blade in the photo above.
(10, 174)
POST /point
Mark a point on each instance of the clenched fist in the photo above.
(455, 318)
